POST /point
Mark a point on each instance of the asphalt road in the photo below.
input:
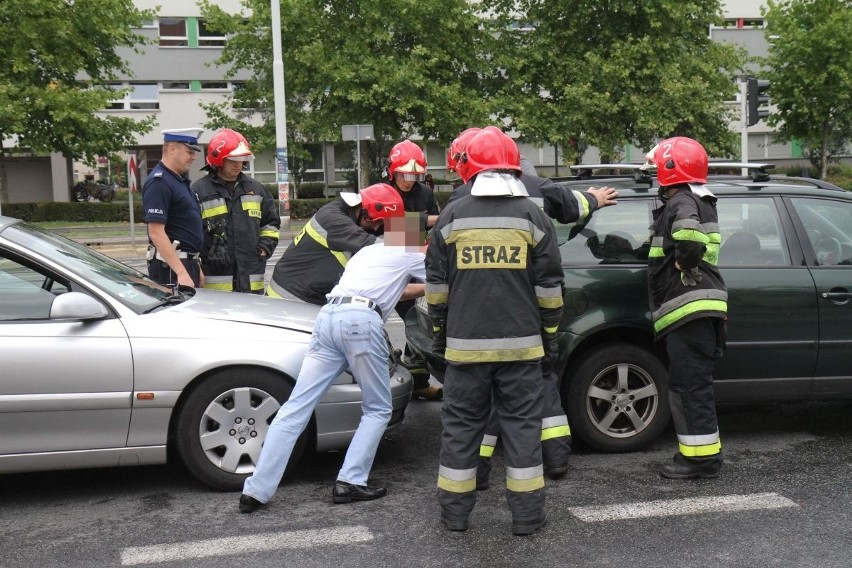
(783, 500)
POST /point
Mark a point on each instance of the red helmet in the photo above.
(679, 160)
(229, 144)
(489, 149)
(456, 149)
(407, 158)
(380, 201)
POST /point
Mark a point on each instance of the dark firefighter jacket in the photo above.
(312, 265)
(564, 205)
(686, 230)
(420, 199)
(237, 226)
(493, 274)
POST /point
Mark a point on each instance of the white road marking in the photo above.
(244, 545)
(673, 507)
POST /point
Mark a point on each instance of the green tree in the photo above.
(58, 58)
(608, 73)
(405, 66)
(809, 68)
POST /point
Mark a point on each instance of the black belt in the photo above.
(360, 300)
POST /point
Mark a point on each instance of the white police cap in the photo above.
(188, 136)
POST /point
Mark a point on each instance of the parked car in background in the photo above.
(100, 366)
(786, 256)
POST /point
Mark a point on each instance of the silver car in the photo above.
(100, 366)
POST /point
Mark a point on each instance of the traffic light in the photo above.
(758, 100)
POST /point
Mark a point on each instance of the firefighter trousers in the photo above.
(555, 432)
(516, 388)
(692, 350)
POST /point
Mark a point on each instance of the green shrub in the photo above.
(311, 190)
(93, 211)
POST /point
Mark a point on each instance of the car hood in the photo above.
(246, 308)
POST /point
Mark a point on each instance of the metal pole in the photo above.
(280, 117)
(744, 123)
(358, 156)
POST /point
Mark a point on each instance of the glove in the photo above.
(550, 343)
(690, 277)
(439, 339)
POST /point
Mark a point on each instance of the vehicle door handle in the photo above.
(836, 295)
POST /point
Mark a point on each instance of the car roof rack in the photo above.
(757, 170)
(584, 171)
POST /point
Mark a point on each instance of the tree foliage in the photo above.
(404, 66)
(58, 57)
(607, 73)
(810, 72)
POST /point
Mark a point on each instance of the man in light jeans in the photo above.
(349, 331)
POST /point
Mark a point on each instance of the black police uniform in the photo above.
(168, 199)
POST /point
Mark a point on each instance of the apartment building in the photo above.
(176, 74)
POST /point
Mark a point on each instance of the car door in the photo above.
(773, 319)
(64, 384)
(825, 226)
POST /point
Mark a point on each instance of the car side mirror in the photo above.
(76, 306)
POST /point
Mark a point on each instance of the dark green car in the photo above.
(786, 257)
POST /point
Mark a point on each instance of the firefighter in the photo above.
(313, 263)
(566, 207)
(688, 301)
(493, 288)
(241, 221)
(406, 172)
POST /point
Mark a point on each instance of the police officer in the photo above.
(241, 221)
(566, 207)
(406, 172)
(313, 263)
(688, 301)
(493, 287)
(172, 212)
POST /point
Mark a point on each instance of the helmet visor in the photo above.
(410, 176)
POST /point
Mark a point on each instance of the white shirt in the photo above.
(380, 273)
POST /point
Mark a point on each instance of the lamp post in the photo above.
(280, 117)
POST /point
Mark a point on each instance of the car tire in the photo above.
(223, 454)
(617, 398)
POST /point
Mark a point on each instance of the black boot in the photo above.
(690, 468)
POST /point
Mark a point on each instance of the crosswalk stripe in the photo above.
(244, 545)
(673, 507)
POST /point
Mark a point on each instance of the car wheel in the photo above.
(221, 427)
(617, 398)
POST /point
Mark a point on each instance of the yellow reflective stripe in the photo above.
(271, 233)
(521, 480)
(341, 258)
(553, 329)
(256, 285)
(583, 204)
(700, 451)
(494, 355)
(555, 432)
(270, 291)
(457, 480)
(688, 309)
(213, 211)
(437, 298)
(692, 235)
(224, 286)
(250, 205)
(486, 451)
(656, 252)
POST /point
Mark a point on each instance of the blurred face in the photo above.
(405, 231)
(230, 169)
(178, 157)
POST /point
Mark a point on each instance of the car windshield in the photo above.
(92, 268)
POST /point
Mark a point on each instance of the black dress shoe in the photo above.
(249, 504)
(347, 492)
(526, 528)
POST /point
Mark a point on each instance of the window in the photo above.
(829, 227)
(751, 233)
(207, 38)
(142, 96)
(175, 85)
(173, 32)
(214, 85)
(614, 235)
(24, 293)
